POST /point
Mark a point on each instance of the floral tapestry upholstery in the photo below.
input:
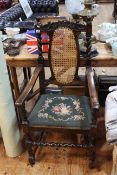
(62, 110)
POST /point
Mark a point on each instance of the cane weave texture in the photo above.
(64, 55)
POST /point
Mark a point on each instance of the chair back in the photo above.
(64, 51)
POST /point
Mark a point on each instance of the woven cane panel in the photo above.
(64, 55)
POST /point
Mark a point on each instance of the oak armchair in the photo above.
(55, 109)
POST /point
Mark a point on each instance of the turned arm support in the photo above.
(92, 89)
(24, 95)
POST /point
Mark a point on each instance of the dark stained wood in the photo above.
(15, 81)
(101, 63)
(29, 87)
(22, 63)
(109, 62)
(30, 129)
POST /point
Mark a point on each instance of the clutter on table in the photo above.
(13, 41)
(108, 33)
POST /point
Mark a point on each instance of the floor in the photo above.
(52, 161)
(63, 161)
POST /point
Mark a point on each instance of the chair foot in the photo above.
(31, 160)
(92, 160)
(31, 155)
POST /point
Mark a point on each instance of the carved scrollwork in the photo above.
(54, 25)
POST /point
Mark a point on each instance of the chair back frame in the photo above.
(75, 29)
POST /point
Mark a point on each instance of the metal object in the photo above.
(87, 15)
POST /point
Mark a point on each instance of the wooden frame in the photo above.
(89, 90)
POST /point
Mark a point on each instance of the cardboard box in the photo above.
(32, 41)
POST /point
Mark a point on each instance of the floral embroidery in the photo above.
(45, 115)
(63, 98)
(58, 109)
(61, 109)
(46, 105)
(79, 117)
(77, 104)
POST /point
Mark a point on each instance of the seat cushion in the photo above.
(62, 111)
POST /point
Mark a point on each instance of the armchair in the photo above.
(55, 110)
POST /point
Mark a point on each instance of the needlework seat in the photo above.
(62, 111)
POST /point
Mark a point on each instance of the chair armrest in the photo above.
(92, 88)
(29, 87)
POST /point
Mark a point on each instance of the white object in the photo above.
(114, 48)
(106, 31)
(74, 6)
(107, 26)
(111, 40)
(103, 35)
(20, 36)
(113, 43)
(112, 88)
(96, 7)
(103, 71)
(26, 7)
(111, 115)
(111, 123)
(12, 31)
(8, 120)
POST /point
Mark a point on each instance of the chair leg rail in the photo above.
(55, 144)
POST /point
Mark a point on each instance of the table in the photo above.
(26, 60)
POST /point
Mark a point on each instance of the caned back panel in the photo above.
(64, 59)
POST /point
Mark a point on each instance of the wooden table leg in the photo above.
(27, 73)
(14, 81)
(18, 118)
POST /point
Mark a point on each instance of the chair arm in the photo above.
(92, 88)
(24, 95)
